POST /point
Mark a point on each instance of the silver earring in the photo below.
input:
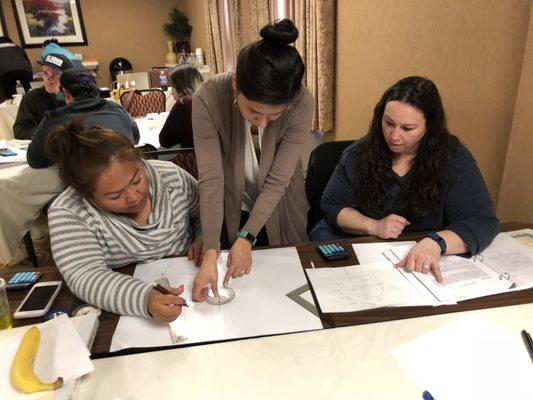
(235, 101)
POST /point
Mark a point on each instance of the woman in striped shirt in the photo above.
(118, 209)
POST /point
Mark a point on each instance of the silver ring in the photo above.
(425, 267)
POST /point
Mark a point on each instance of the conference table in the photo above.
(349, 358)
(307, 253)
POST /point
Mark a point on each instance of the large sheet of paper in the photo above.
(464, 278)
(373, 252)
(363, 287)
(511, 258)
(260, 306)
(61, 353)
(469, 358)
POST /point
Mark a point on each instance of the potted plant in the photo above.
(179, 30)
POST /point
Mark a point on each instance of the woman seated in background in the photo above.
(118, 209)
(184, 78)
(410, 174)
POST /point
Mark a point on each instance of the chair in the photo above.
(322, 163)
(154, 74)
(138, 103)
(185, 157)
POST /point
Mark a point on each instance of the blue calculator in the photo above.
(23, 280)
(333, 252)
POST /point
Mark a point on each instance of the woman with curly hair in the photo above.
(409, 173)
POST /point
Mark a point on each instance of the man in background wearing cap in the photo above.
(81, 96)
(38, 101)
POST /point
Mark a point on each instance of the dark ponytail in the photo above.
(270, 71)
(82, 154)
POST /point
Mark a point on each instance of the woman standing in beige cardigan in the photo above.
(249, 131)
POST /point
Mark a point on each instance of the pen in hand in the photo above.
(529, 343)
(162, 289)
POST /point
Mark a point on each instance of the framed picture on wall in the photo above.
(3, 27)
(38, 20)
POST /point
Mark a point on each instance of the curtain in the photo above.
(224, 33)
(315, 20)
(262, 12)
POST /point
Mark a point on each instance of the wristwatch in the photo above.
(439, 239)
(248, 236)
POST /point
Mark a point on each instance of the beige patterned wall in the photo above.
(472, 49)
(516, 193)
(131, 29)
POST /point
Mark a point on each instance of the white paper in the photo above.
(510, 257)
(373, 252)
(260, 306)
(463, 278)
(362, 287)
(61, 353)
(469, 358)
(149, 128)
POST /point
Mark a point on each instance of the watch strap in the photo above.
(248, 236)
(439, 239)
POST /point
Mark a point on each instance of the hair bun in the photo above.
(282, 32)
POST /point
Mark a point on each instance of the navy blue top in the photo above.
(466, 208)
(93, 112)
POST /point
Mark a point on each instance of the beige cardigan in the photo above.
(219, 140)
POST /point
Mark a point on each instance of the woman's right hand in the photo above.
(389, 227)
(166, 307)
(207, 276)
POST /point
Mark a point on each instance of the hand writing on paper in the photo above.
(423, 257)
(195, 252)
(207, 276)
(166, 307)
(239, 259)
(389, 227)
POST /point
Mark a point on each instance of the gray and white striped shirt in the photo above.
(88, 243)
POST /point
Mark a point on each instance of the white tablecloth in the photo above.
(24, 192)
(8, 114)
(149, 128)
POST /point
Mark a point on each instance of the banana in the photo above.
(22, 375)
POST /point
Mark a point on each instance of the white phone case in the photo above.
(40, 312)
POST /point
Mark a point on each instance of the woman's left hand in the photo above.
(195, 251)
(239, 259)
(423, 257)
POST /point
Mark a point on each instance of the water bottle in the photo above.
(20, 89)
(163, 81)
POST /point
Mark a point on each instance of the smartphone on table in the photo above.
(5, 152)
(39, 300)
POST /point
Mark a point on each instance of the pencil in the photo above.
(162, 289)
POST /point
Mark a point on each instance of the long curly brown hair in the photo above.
(437, 147)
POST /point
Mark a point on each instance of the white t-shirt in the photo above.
(251, 167)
